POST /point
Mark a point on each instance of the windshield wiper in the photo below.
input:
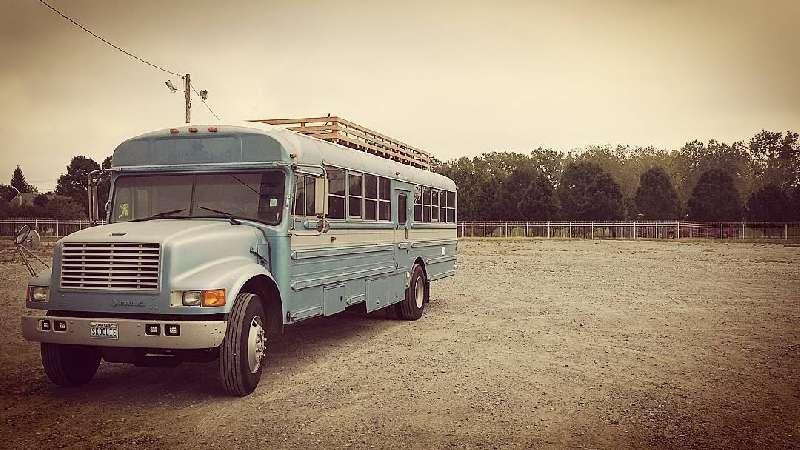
(161, 215)
(227, 215)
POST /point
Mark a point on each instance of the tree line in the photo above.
(69, 200)
(756, 180)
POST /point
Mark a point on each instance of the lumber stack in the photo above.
(343, 132)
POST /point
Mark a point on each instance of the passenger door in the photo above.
(402, 229)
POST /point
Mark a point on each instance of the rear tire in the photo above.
(242, 353)
(69, 365)
(417, 295)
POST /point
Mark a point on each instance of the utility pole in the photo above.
(187, 88)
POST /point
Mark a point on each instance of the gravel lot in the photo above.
(544, 343)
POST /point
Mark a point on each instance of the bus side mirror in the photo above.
(27, 237)
(93, 180)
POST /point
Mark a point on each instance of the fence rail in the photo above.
(632, 230)
(563, 230)
(45, 227)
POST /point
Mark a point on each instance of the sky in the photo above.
(454, 78)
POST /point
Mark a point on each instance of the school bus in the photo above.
(218, 237)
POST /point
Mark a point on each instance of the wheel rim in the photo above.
(419, 292)
(256, 344)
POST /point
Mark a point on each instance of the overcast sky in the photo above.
(454, 78)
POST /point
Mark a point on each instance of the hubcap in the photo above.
(256, 344)
(419, 294)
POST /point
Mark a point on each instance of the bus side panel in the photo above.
(339, 262)
(436, 247)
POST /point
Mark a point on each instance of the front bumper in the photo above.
(193, 334)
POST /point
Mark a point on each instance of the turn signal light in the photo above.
(215, 297)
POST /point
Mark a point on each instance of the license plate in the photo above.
(103, 330)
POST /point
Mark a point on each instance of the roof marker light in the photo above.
(212, 129)
(192, 130)
(173, 131)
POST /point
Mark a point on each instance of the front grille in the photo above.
(111, 266)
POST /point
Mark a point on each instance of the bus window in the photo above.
(370, 197)
(402, 210)
(451, 206)
(385, 202)
(417, 203)
(299, 195)
(311, 194)
(434, 205)
(426, 204)
(305, 195)
(355, 194)
(336, 193)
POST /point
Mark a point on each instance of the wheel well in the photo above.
(422, 264)
(270, 296)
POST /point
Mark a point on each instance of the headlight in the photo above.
(191, 298)
(38, 293)
(212, 298)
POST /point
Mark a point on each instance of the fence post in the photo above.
(57, 221)
(570, 230)
(786, 231)
(505, 233)
(634, 230)
(592, 230)
(548, 229)
(742, 231)
(678, 227)
(526, 229)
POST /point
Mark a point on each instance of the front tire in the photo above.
(69, 365)
(417, 295)
(243, 351)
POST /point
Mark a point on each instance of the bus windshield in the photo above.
(257, 196)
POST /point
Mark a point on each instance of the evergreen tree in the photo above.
(586, 192)
(656, 198)
(18, 181)
(714, 198)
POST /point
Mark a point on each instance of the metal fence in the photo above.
(45, 227)
(632, 230)
(563, 230)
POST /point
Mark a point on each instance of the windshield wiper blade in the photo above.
(161, 215)
(227, 215)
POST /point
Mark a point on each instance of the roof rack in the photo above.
(340, 131)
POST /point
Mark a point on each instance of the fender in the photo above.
(227, 273)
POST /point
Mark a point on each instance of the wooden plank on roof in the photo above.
(343, 132)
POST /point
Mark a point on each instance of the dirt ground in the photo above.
(533, 343)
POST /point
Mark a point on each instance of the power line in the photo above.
(105, 41)
(137, 58)
(202, 99)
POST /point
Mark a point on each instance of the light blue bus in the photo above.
(219, 237)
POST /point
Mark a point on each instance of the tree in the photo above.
(587, 192)
(770, 204)
(18, 181)
(714, 198)
(656, 198)
(7, 193)
(73, 184)
(528, 195)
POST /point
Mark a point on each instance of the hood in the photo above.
(165, 231)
